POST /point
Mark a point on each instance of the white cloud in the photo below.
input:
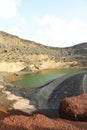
(15, 31)
(60, 32)
(18, 28)
(8, 8)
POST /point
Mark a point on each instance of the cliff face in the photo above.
(33, 56)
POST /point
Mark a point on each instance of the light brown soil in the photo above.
(15, 120)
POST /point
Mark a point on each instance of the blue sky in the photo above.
(59, 23)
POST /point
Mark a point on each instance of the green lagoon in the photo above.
(33, 80)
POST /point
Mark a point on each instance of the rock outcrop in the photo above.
(74, 108)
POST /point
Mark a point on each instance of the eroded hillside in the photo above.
(33, 56)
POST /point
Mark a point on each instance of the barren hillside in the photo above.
(34, 56)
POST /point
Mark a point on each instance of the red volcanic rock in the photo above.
(74, 108)
(16, 120)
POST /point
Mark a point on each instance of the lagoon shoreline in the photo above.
(31, 98)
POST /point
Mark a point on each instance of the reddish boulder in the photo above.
(74, 108)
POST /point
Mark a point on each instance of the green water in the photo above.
(37, 79)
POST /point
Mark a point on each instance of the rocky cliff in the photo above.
(32, 56)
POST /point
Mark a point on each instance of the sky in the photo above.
(58, 23)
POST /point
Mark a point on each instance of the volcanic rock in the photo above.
(15, 120)
(74, 108)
